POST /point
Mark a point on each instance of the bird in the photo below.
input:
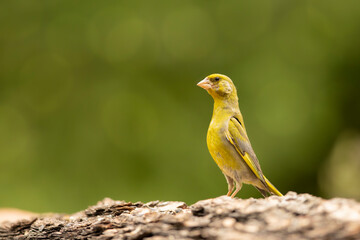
(228, 142)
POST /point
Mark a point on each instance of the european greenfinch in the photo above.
(227, 139)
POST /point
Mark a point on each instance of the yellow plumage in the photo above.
(227, 139)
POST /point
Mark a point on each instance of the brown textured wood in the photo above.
(290, 217)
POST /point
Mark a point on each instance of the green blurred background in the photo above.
(99, 98)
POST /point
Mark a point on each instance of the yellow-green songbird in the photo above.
(227, 140)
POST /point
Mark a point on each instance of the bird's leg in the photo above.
(230, 183)
(238, 187)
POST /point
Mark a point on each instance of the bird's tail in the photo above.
(272, 188)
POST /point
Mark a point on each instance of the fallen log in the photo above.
(294, 216)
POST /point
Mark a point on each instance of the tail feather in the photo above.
(263, 192)
(272, 187)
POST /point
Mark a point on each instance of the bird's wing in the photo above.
(237, 136)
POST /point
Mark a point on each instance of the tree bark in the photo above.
(294, 216)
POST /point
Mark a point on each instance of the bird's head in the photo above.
(219, 86)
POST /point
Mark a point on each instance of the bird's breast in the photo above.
(221, 150)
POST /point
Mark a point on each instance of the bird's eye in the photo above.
(216, 78)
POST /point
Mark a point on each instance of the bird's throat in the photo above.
(225, 106)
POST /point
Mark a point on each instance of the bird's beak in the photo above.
(205, 84)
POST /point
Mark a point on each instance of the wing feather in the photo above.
(239, 139)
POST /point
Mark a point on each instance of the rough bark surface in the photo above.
(290, 217)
